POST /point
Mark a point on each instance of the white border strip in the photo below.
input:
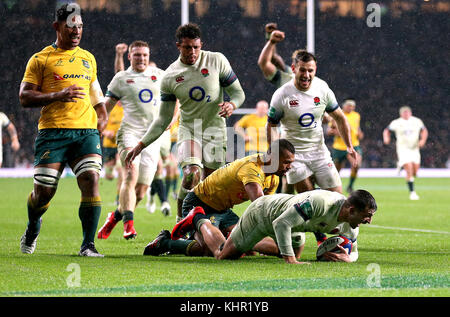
(29, 172)
(364, 172)
(393, 172)
(407, 229)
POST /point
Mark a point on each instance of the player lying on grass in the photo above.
(242, 180)
(281, 216)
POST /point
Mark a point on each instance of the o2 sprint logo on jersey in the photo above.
(316, 101)
(145, 95)
(293, 103)
(179, 79)
(197, 93)
(205, 72)
(306, 120)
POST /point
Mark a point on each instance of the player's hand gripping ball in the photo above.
(331, 245)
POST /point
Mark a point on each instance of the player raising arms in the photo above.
(299, 106)
(138, 89)
(198, 80)
(62, 81)
(271, 64)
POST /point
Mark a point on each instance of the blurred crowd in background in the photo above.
(402, 62)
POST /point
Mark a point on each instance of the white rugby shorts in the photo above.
(146, 162)
(209, 148)
(408, 156)
(317, 162)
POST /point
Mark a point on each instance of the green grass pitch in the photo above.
(404, 252)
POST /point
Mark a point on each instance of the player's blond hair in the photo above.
(404, 108)
(139, 44)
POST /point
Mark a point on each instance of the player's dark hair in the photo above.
(361, 199)
(139, 44)
(190, 31)
(281, 145)
(62, 13)
(303, 56)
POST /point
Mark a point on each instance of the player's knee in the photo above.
(88, 178)
(42, 195)
(191, 176)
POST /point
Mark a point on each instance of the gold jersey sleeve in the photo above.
(114, 121)
(354, 119)
(54, 69)
(225, 187)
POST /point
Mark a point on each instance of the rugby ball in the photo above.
(331, 245)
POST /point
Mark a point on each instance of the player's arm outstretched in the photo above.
(156, 129)
(282, 226)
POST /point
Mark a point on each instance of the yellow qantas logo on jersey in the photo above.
(77, 76)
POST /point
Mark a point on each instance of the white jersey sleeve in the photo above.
(276, 111)
(330, 100)
(282, 227)
(114, 87)
(279, 77)
(315, 211)
(4, 121)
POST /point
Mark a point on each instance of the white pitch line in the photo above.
(407, 229)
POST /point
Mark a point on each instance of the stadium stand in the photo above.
(400, 63)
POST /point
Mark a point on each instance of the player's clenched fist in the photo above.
(277, 36)
(226, 109)
(121, 48)
(270, 27)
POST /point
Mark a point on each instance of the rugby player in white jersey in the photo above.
(138, 89)
(299, 106)
(286, 218)
(411, 135)
(198, 79)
